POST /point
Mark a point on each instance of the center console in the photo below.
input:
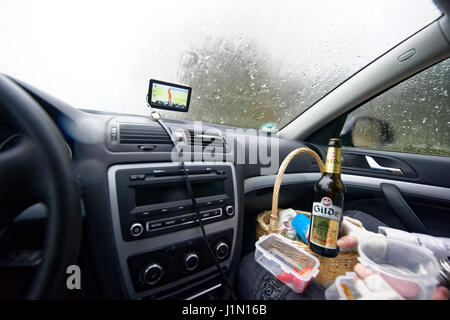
(159, 242)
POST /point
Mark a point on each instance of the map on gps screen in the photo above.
(169, 97)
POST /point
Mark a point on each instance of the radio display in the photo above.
(148, 195)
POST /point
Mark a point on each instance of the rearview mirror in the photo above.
(363, 131)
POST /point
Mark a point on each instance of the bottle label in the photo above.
(333, 162)
(325, 223)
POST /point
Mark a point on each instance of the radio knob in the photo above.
(152, 273)
(229, 210)
(191, 261)
(221, 249)
(136, 229)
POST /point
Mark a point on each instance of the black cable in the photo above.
(197, 211)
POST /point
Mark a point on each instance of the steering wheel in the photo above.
(38, 169)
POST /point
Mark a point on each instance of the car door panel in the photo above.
(416, 201)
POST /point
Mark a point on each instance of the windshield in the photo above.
(249, 63)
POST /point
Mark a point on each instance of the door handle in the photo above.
(375, 166)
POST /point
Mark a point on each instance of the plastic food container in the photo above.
(411, 270)
(288, 263)
(343, 288)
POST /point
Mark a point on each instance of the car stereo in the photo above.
(155, 200)
(159, 243)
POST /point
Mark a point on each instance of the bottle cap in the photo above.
(335, 142)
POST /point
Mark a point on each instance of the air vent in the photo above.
(205, 139)
(143, 134)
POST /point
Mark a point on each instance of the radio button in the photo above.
(183, 219)
(169, 223)
(206, 214)
(205, 204)
(192, 217)
(154, 225)
(135, 177)
(142, 214)
(136, 229)
(229, 210)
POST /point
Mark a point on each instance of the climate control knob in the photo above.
(191, 261)
(152, 273)
(221, 249)
(229, 210)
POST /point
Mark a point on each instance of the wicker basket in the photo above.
(267, 222)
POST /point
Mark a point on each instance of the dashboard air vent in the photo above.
(205, 139)
(142, 134)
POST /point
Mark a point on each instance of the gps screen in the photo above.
(169, 96)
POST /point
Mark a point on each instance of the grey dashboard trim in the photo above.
(410, 188)
(126, 249)
(261, 182)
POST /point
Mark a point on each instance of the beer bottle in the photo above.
(326, 216)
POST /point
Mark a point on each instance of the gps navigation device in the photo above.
(169, 96)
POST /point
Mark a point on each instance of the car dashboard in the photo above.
(140, 228)
(153, 236)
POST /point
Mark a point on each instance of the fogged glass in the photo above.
(417, 112)
(249, 62)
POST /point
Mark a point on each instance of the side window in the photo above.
(413, 116)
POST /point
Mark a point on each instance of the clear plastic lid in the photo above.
(287, 262)
(343, 288)
(411, 270)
